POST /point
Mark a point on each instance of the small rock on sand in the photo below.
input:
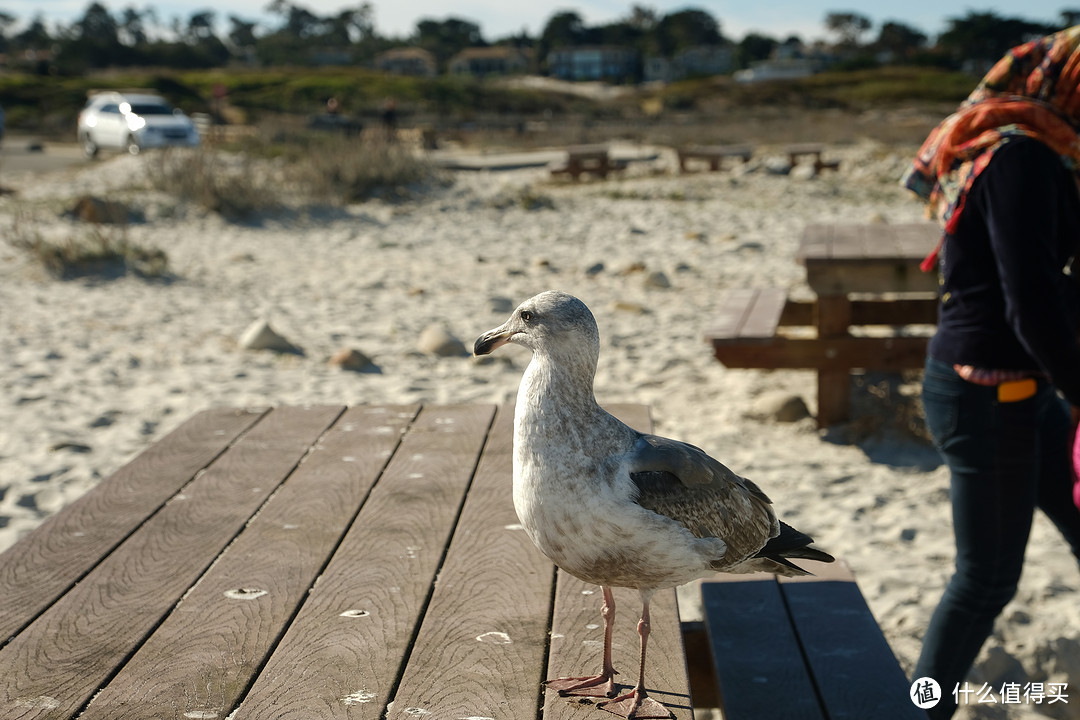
(260, 336)
(437, 340)
(350, 359)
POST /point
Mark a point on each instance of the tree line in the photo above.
(298, 36)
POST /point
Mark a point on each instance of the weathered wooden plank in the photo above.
(577, 640)
(204, 656)
(869, 276)
(733, 308)
(38, 569)
(868, 353)
(577, 633)
(341, 657)
(759, 665)
(764, 315)
(897, 311)
(54, 667)
(480, 651)
(916, 240)
(854, 668)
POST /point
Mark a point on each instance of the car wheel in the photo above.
(133, 145)
(89, 147)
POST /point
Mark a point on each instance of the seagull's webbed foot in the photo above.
(596, 686)
(638, 705)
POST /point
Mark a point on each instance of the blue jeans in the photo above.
(1006, 459)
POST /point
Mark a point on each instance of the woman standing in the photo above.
(1001, 174)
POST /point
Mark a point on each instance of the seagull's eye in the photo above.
(526, 315)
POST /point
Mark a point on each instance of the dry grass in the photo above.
(231, 184)
(278, 165)
(96, 251)
(351, 169)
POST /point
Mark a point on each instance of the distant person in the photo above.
(389, 118)
(1001, 173)
(332, 106)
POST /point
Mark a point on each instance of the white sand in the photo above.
(93, 371)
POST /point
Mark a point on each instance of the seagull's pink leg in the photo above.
(602, 685)
(637, 703)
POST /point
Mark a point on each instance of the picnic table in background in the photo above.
(865, 277)
(592, 160)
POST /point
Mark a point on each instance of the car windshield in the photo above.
(151, 109)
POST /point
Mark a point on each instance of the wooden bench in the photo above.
(593, 160)
(801, 649)
(814, 150)
(310, 562)
(747, 334)
(714, 155)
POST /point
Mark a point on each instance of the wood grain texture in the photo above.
(480, 651)
(844, 353)
(55, 665)
(42, 566)
(854, 668)
(732, 309)
(764, 315)
(756, 652)
(205, 654)
(342, 654)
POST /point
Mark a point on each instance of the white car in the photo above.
(133, 122)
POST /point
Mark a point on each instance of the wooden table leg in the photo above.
(834, 386)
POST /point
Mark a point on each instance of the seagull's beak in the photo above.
(492, 340)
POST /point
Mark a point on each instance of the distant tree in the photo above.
(1070, 17)
(241, 34)
(6, 22)
(132, 27)
(643, 18)
(299, 22)
(35, 37)
(98, 26)
(848, 26)
(563, 29)
(754, 47)
(900, 40)
(686, 29)
(445, 38)
(983, 37)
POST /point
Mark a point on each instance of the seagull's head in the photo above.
(552, 323)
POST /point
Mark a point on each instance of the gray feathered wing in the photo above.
(684, 483)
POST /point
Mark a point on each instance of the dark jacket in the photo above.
(1008, 301)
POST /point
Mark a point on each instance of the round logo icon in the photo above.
(925, 693)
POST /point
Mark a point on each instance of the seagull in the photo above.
(616, 507)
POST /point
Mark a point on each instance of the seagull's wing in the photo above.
(684, 483)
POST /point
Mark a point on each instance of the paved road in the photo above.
(20, 154)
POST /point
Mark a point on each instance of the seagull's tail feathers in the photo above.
(790, 544)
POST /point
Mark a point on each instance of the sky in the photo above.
(499, 18)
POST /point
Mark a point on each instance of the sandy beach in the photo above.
(94, 370)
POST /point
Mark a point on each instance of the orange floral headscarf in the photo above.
(1034, 91)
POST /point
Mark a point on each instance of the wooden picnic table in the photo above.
(815, 151)
(877, 260)
(310, 562)
(588, 159)
(712, 155)
(869, 293)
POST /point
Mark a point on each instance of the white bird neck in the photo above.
(558, 387)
